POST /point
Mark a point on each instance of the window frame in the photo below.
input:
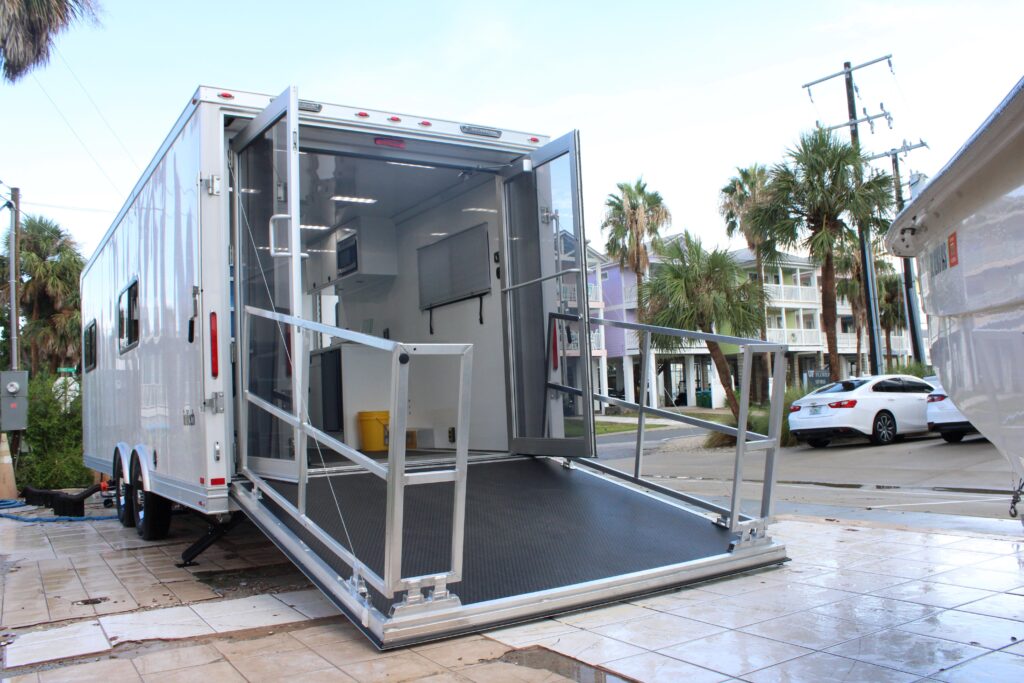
(124, 341)
(89, 346)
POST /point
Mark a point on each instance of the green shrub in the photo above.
(757, 421)
(914, 368)
(54, 440)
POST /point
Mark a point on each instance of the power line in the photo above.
(77, 137)
(97, 108)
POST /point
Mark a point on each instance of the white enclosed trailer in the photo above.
(285, 269)
(966, 228)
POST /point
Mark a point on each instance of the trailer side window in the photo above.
(128, 317)
(89, 346)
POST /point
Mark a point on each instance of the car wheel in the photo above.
(818, 443)
(124, 499)
(953, 437)
(152, 512)
(883, 429)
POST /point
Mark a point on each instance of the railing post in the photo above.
(302, 450)
(644, 400)
(461, 460)
(736, 503)
(775, 418)
(395, 514)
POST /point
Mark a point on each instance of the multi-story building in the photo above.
(686, 376)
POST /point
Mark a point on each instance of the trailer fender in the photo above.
(122, 453)
(141, 454)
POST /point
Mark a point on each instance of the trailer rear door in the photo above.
(545, 305)
(266, 187)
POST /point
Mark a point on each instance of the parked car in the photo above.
(881, 408)
(943, 415)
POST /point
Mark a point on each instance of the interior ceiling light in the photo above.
(248, 190)
(315, 227)
(438, 234)
(402, 163)
(354, 200)
(477, 209)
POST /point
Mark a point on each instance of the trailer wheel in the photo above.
(152, 512)
(124, 499)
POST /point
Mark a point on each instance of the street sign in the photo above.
(67, 369)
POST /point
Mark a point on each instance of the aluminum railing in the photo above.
(393, 472)
(751, 529)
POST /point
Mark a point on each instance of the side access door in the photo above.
(266, 195)
(545, 305)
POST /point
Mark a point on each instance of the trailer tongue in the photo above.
(412, 400)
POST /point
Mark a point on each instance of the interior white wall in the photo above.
(395, 307)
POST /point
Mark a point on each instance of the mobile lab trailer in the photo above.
(966, 229)
(369, 332)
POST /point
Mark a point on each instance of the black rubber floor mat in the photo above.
(530, 525)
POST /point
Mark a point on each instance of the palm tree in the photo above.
(49, 295)
(634, 219)
(891, 313)
(737, 199)
(813, 200)
(694, 289)
(850, 283)
(28, 27)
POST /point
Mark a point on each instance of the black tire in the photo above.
(124, 499)
(818, 443)
(883, 429)
(952, 437)
(152, 512)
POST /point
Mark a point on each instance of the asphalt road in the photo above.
(917, 475)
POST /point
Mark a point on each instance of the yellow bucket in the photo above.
(373, 430)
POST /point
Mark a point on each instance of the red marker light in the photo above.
(390, 142)
(362, 114)
(225, 96)
(426, 123)
(214, 360)
(534, 139)
(217, 481)
(394, 119)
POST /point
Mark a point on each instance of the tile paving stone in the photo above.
(341, 653)
(83, 638)
(330, 675)
(279, 666)
(402, 666)
(989, 545)
(871, 609)
(338, 631)
(969, 628)
(530, 633)
(502, 672)
(103, 671)
(168, 623)
(675, 599)
(652, 667)
(590, 648)
(734, 653)
(462, 652)
(244, 613)
(265, 645)
(811, 630)
(934, 594)
(1013, 564)
(909, 652)
(853, 581)
(996, 667)
(733, 612)
(176, 658)
(975, 577)
(658, 631)
(603, 615)
(220, 672)
(310, 603)
(1006, 605)
(821, 667)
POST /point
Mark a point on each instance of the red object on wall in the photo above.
(954, 257)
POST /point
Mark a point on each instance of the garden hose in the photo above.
(7, 504)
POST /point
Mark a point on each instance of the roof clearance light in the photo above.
(427, 124)
(390, 142)
(362, 114)
(394, 119)
(225, 95)
(353, 200)
(534, 139)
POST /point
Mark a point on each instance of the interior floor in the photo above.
(531, 525)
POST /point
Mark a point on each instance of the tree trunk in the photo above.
(725, 377)
(858, 330)
(888, 349)
(828, 314)
(762, 392)
(639, 313)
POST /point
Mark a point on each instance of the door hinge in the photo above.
(215, 404)
(212, 185)
(188, 417)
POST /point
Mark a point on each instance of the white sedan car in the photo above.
(944, 417)
(880, 408)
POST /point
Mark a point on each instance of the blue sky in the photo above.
(679, 92)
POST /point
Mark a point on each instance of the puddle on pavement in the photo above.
(546, 660)
(275, 578)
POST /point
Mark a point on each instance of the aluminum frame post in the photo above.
(302, 444)
(775, 418)
(461, 462)
(395, 516)
(741, 441)
(644, 400)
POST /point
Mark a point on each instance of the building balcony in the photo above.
(795, 337)
(791, 294)
(570, 298)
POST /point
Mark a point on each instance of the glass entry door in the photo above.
(545, 305)
(266, 194)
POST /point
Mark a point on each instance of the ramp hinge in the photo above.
(215, 403)
(212, 185)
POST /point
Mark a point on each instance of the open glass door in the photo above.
(545, 305)
(266, 191)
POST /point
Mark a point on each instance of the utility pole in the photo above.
(864, 232)
(12, 272)
(910, 298)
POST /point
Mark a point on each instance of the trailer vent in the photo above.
(481, 131)
(306, 105)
